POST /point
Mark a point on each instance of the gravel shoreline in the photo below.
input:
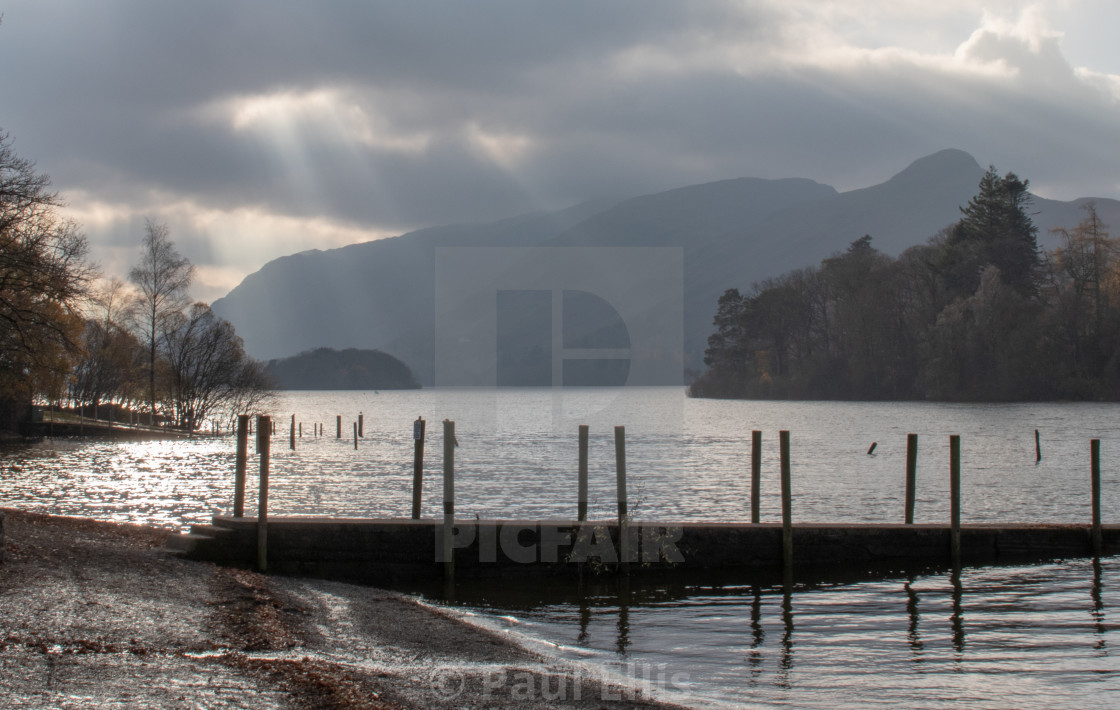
(97, 614)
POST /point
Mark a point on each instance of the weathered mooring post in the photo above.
(338, 426)
(1037, 447)
(787, 502)
(581, 494)
(355, 436)
(1095, 485)
(264, 426)
(623, 513)
(361, 425)
(418, 432)
(955, 499)
(240, 463)
(756, 475)
(292, 434)
(911, 475)
(448, 498)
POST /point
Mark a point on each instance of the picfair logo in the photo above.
(558, 316)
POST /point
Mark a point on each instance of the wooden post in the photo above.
(581, 495)
(418, 432)
(239, 466)
(292, 434)
(301, 430)
(1095, 468)
(911, 475)
(623, 513)
(264, 427)
(787, 502)
(955, 499)
(338, 425)
(756, 475)
(361, 425)
(355, 436)
(1037, 447)
(448, 497)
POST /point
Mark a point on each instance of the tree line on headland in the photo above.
(977, 313)
(68, 335)
(349, 369)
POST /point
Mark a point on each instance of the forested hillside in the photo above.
(978, 312)
(350, 369)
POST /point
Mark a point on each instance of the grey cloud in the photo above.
(113, 95)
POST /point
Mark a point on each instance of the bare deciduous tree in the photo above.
(43, 280)
(162, 278)
(106, 370)
(209, 372)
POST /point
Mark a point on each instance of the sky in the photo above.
(257, 128)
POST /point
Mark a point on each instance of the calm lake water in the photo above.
(1024, 636)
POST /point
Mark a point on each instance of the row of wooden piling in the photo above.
(296, 429)
(264, 424)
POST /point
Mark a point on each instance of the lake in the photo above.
(1037, 636)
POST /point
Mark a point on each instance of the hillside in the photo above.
(350, 369)
(731, 233)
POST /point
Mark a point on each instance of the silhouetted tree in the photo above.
(162, 278)
(1084, 284)
(110, 354)
(973, 314)
(995, 230)
(43, 280)
(209, 374)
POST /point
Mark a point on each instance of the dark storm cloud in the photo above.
(116, 87)
(391, 115)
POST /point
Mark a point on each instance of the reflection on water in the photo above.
(958, 613)
(154, 482)
(1014, 636)
(687, 460)
(624, 602)
(1025, 636)
(758, 635)
(785, 662)
(1098, 606)
(912, 631)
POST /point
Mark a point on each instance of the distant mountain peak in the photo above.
(732, 233)
(939, 166)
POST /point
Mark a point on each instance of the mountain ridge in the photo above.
(379, 294)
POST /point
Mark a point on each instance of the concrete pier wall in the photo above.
(387, 552)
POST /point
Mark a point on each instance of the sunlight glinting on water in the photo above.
(1028, 636)
(686, 459)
